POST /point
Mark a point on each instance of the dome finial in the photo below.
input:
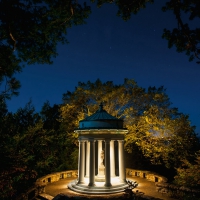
(101, 106)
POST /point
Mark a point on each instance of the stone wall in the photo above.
(41, 183)
(161, 184)
(151, 176)
(160, 181)
(50, 178)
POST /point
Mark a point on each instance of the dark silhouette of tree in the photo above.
(32, 145)
(29, 33)
(185, 37)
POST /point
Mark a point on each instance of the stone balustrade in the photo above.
(50, 178)
(151, 176)
(160, 182)
(41, 182)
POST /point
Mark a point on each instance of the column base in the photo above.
(107, 184)
(98, 189)
(91, 184)
(122, 181)
(99, 178)
(80, 182)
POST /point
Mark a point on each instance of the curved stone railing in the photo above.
(53, 177)
(160, 182)
(41, 182)
(151, 176)
(50, 178)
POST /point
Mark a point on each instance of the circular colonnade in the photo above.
(101, 151)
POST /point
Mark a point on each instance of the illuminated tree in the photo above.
(164, 135)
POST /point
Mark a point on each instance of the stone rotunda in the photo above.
(101, 167)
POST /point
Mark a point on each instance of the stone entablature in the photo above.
(102, 134)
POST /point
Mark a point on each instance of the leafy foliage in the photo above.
(185, 37)
(8, 67)
(162, 133)
(35, 27)
(163, 138)
(33, 144)
(189, 173)
(17, 171)
(29, 33)
(126, 7)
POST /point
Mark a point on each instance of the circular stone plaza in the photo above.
(101, 170)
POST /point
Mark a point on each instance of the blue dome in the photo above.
(101, 120)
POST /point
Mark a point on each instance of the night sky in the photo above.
(110, 49)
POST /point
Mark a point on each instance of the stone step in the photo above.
(96, 190)
(45, 196)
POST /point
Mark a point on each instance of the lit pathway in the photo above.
(145, 186)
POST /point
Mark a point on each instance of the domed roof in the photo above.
(101, 120)
(100, 114)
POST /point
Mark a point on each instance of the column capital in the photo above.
(81, 140)
(91, 140)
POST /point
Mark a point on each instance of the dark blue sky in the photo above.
(111, 49)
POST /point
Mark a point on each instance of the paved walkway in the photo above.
(145, 187)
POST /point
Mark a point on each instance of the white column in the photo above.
(107, 163)
(81, 163)
(99, 153)
(92, 163)
(112, 157)
(122, 174)
(87, 159)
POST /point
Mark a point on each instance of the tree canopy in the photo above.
(34, 144)
(185, 37)
(33, 28)
(164, 135)
(30, 31)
